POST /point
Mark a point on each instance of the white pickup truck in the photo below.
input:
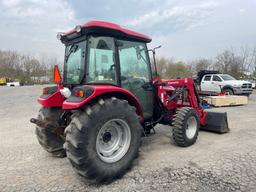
(223, 83)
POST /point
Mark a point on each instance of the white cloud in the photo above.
(10, 3)
(241, 11)
(187, 15)
(186, 29)
(31, 25)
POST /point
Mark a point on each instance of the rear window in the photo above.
(207, 78)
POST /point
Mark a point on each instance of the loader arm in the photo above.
(182, 93)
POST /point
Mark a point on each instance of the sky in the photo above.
(186, 29)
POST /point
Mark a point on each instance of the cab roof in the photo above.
(105, 28)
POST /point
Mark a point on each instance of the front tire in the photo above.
(185, 126)
(103, 140)
(228, 91)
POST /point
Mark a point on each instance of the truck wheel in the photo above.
(51, 142)
(185, 126)
(228, 91)
(102, 141)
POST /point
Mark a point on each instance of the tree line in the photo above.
(23, 68)
(241, 65)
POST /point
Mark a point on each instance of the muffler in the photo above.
(216, 122)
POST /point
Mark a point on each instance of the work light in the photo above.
(78, 28)
(59, 35)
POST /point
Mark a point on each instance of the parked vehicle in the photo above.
(213, 81)
(4, 80)
(13, 84)
(108, 98)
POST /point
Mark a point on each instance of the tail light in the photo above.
(76, 94)
(79, 93)
(45, 91)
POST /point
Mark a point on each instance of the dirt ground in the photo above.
(215, 163)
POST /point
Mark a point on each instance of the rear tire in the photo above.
(92, 131)
(51, 142)
(185, 126)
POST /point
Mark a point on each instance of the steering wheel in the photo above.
(112, 72)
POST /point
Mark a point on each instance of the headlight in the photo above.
(237, 85)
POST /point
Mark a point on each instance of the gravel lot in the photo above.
(215, 163)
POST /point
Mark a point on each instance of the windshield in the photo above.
(227, 77)
(74, 62)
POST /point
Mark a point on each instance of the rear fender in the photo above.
(53, 98)
(100, 91)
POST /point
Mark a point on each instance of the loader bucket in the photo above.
(216, 122)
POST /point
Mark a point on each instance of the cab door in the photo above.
(206, 83)
(216, 83)
(135, 72)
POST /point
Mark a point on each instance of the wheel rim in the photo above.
(191, 127)
(113, 140)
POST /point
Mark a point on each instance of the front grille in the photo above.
(247, 85)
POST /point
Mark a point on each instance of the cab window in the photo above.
(74, 62)
(101, 59)
(216, 78)
(134, 63)
(207, 78)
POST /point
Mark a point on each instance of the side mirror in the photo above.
(56, 75)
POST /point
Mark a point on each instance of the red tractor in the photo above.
(109, 97)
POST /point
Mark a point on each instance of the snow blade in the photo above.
(216, 122)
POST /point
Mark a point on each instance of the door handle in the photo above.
(147, 87)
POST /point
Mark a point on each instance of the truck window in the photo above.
(216, 78)
(207, 78)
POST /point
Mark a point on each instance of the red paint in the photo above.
(165, 91)
(54, 100)
(106, 89)
(76, 93)
(112, 26)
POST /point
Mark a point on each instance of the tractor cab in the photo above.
(102, 53)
